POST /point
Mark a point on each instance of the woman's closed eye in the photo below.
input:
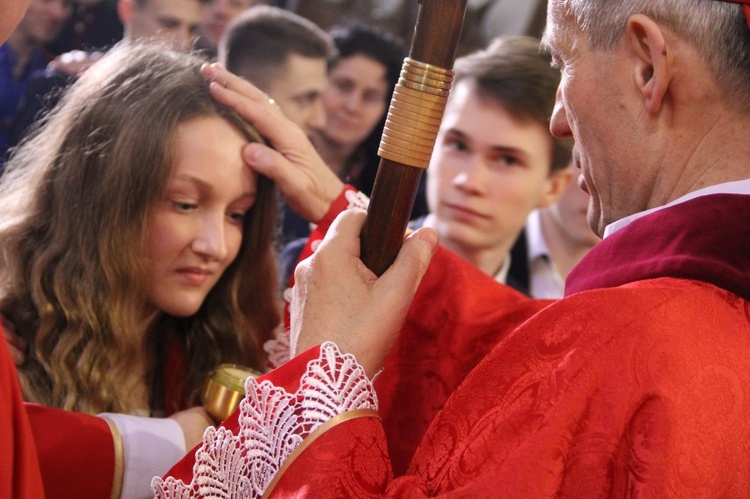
(237, 216)
(184, 206)
(238, 212)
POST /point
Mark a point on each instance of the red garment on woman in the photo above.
(20, 477)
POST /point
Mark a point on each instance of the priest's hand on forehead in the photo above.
(307, 184)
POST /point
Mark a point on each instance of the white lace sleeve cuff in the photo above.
(272, 424)
(278, 348)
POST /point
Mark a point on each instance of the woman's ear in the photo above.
(651, 60)
(557, 182)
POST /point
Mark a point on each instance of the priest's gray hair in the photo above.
(717, 29)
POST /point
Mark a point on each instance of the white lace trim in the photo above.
(272, 423)
(356, 199)
(278, 349)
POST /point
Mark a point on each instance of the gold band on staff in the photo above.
(414, 144)
(418, 97)
(437, 72)
(417, 104)
(408, 127)
(420, 108)
(415, 113)
(407, 156)
(410, 118)
(421, 76)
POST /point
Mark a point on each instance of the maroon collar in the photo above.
(705, 239)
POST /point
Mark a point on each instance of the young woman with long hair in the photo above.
(136, 247)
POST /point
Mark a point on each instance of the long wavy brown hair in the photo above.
(75, 200)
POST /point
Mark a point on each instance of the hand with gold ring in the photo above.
(305, 181)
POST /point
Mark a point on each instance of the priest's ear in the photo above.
(651, 60)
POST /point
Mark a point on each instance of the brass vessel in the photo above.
(224, 389)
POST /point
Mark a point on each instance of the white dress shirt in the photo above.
(544, 279)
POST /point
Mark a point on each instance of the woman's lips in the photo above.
(195, 275)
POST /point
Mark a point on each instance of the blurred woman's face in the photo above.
(195, 230)
(355, 99)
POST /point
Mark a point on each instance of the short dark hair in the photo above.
(356, 37)
(515, 73)
(258, 42)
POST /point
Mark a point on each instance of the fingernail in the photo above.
(430, 238)
(254, 154)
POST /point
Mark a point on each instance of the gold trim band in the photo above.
(406, 156)
(415, 113)
(119, 459)
(308, 441)
(422, 87)
(409, 118)
(412, 64)
(409, 127)
(422, 76)
(409, 141)
(409, 153)
(427, 109)
(419, 97)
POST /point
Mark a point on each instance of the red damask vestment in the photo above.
(20, 477)
(637, 383)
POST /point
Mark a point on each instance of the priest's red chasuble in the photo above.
(637, 383)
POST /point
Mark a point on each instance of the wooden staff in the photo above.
(411, 129)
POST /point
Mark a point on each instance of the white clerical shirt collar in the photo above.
(736, 187)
